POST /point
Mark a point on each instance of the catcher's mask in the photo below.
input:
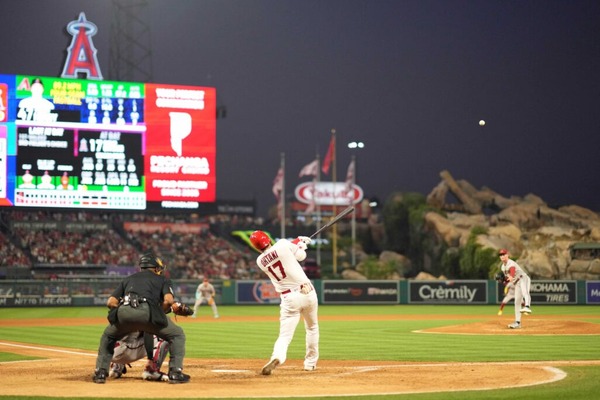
(151, 260)
(260, 240)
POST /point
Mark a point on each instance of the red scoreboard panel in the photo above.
(180, 151)
(74, 143)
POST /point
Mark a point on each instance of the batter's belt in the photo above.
(299, 289)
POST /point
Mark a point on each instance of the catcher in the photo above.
(134, 347)
(206, 293)
(140, 303)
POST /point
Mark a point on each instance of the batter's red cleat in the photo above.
(271, 365)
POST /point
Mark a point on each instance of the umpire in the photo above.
(140, 303)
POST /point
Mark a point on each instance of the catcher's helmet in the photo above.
(260, 240)
(151, 260)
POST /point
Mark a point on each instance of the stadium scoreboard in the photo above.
(75, 143)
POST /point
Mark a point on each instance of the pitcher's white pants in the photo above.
(522, 295)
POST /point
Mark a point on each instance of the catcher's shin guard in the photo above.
(161, 349)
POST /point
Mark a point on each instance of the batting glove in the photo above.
(305, 239)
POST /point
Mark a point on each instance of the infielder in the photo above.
(280, 262)
(134, 347)
(516, 276)
(206, 293)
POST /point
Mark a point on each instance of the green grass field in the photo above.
(356, 339)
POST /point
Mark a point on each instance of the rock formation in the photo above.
(549, 243)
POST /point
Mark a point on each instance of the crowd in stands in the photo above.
(194, 256)
(189, 255)
(12, 255)
(88, 247)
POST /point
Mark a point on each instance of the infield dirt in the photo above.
(67, 372)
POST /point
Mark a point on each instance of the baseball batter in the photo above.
(132, 348)
(280, 261)
(206, 293)
(516, 276)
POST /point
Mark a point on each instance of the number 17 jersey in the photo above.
(281, 264)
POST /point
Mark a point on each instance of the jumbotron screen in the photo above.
(74, 143)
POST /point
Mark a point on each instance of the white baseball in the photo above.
(482, 123)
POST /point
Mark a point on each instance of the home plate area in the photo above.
(68, 373)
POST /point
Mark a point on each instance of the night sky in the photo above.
(411, 79)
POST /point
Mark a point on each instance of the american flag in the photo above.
(350, 178)
(310, 169)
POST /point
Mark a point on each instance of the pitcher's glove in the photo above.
(500, 277)
(182, 309)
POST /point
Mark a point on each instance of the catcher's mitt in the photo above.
(500, 277)
(182, 309)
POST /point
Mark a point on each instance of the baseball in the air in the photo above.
(481, 123)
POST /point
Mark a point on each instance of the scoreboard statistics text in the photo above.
(74, 143)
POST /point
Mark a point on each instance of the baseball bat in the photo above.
(333, 221)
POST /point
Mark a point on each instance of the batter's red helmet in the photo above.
(260, 240)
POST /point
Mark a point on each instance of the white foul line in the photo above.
(48, 349)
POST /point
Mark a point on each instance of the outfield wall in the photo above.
(88, 292)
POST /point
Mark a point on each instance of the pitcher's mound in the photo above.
(529, 326)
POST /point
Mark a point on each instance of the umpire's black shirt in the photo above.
(146, 284)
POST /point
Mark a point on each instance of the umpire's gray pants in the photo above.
(138, 319)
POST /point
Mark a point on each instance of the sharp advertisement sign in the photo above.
(361, 292)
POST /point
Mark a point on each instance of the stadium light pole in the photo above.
(354, 146)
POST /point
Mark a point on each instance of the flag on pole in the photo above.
(313, 204)
(310, 169)
(350, 182)
(329, 156)
(350, 176)
(278, 183)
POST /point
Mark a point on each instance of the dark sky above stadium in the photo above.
(409, 78)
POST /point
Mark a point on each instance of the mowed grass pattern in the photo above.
(350, 334)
